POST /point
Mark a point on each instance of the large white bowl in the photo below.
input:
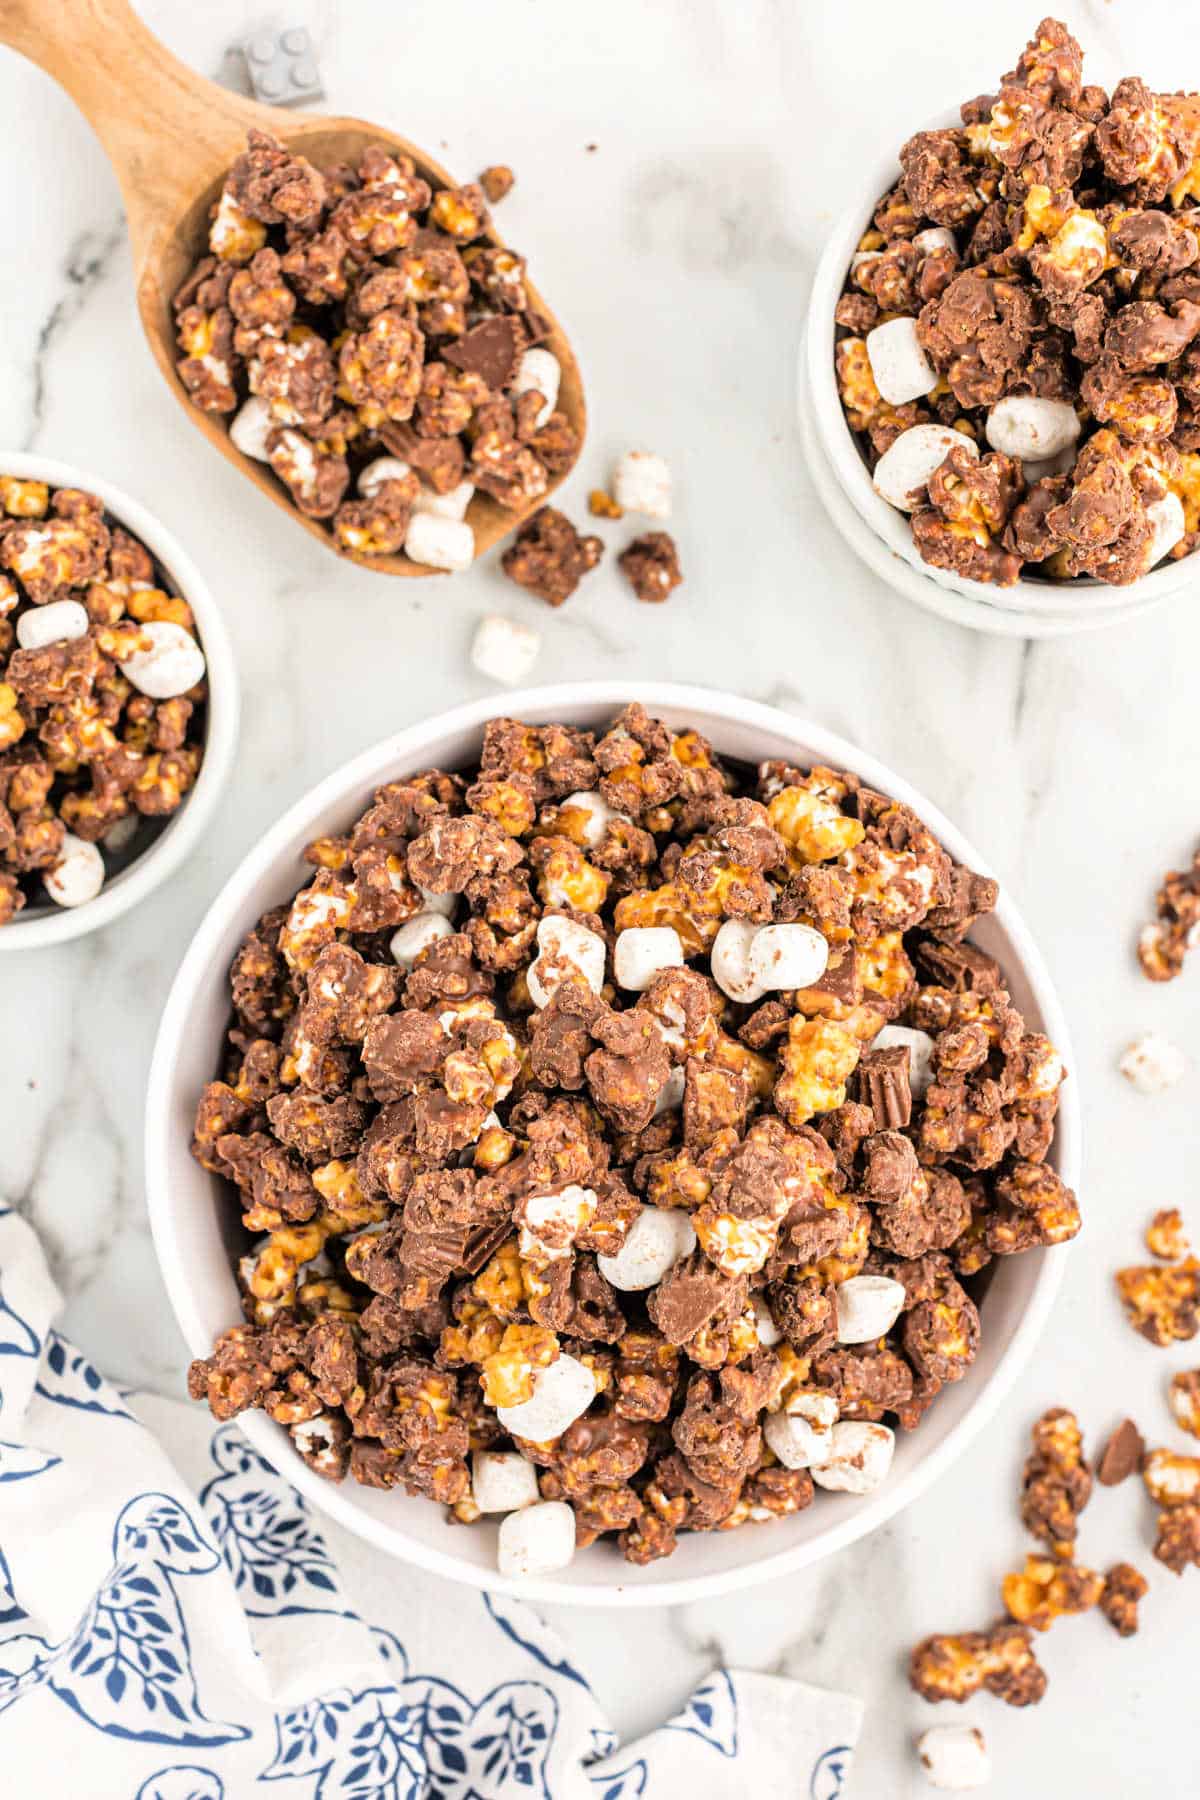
(41, 924)
(1076, 605)
(195, 1222)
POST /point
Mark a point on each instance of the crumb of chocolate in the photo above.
(496, 181)
(1122, 1454)
(651, 566)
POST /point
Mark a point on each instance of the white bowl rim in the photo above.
(169, 849)
(380, 762)
(886, 522)
(958, 609)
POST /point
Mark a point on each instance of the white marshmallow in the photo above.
(504, 650)
(783, 957)
(56, 623)
(1153, 1064)
(439, 903)
(537, 1540)
(642, 484)
(440, 543)
(252, 426)
(765, 1328)
(800, 1439)
(599, 815)
(173, 664)
(656, 1240)
(1036, 469)
(446, 506)
(564, 948)
(1026, 425)
(867, 1307)
(903, 471)
(502, 1481)
(561, 1393)
(120, 835)
(1165, 515)
(955, 1757)
(538, 372)
(919, 1045)
(416, 934)
(642, 951)
(670, 1094)
(859, 1459)
(77, 876)
(936, 237)
(901, 368)
(384, 468)
(729, 961)
(864, 256)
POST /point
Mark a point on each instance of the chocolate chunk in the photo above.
(1122, 1454)
(691, 1294)
(882, 1082)
(960, 966)
(490, 350)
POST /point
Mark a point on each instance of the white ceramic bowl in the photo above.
(195, 1223)
(1078, 605)
(41, 923)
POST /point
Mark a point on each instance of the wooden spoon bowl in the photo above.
(171, 137)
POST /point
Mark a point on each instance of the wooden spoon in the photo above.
(171, 136)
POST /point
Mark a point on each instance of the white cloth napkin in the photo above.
(175, 1624)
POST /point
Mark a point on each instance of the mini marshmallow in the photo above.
(416, 934)
(173, 664)
(656, 1240)
(783, 957)
(670, 1094)
(119, 836)
(867, 1307)
(251, 428)
(77, 876)
(55, 623)
(1050, 465)
(864, 256)
(440, 543)
(538, 372)
(901, 368)
(1165, 515)
(1028, 426)
(384, 468)
(955, 1757)
(439, 903)
(937, 237)
(903, 471)
(502, 1481)
(798, 1440)
(729, 961)
(446, 506)
(564, 947)
(537, 1540)
(1153, 1064)
(599, 815)
(642, 951)
(642, 484)
(561, 1393)
(504, 650)
(859, 1459)
(919, 1045)
(765, 1328)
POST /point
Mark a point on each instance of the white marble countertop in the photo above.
(677, 166)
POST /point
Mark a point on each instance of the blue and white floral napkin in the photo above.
(176, 1625)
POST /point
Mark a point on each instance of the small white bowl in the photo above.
(38, 925)
(1077, 605)
(196, 1226)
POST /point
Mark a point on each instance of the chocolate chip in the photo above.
(1122, 1454)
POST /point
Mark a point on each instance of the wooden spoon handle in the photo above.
(166, 130)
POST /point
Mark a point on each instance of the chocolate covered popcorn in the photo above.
(1018, 338)
(102, 696)
(371, 342)
(640, 1117)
